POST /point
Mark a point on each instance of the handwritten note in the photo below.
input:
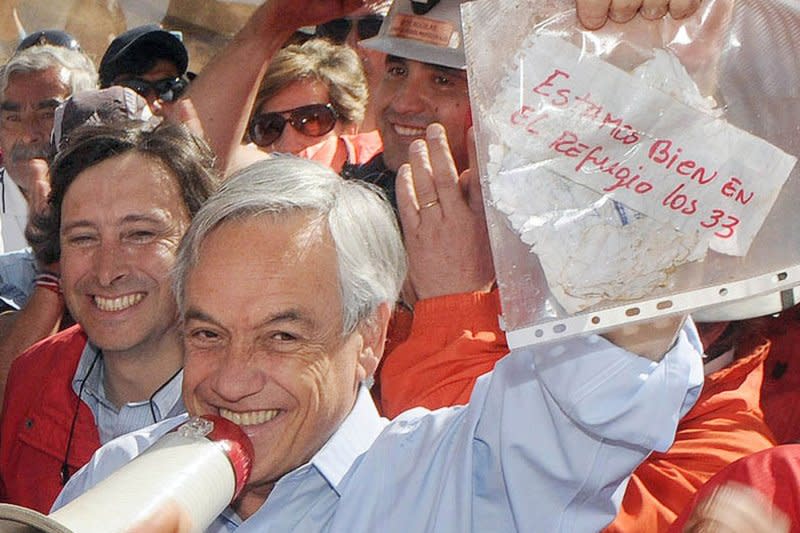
(596, 125)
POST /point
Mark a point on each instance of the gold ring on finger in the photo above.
(429, 204)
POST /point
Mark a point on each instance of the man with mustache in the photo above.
(32, 84)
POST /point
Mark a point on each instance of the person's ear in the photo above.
(373, 333)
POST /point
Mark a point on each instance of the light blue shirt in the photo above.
(17, 274)
(546, 443)
(112, 422)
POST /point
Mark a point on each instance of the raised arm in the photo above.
(225, 90)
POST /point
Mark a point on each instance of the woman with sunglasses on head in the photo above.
(311, 103)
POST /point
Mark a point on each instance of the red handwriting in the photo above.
(731, 189)
(720, 218)
(678, 201)
(664, 153)
(528, 117)
(591, 109)
(558, 96)
(624, 133)
(593, 160)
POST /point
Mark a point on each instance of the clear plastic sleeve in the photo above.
(640, 170)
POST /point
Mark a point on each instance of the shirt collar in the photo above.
(90, 371)
(354, 437)
(167, 400)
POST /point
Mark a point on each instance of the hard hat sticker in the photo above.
(425, 29)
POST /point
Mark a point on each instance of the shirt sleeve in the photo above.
(560, 448)
(453, 340)
(724, 425)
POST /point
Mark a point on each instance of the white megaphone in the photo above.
(202, 466)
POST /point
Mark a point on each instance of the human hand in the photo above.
(444, 227)
(736, 508)
(651, 339)
(593, 14)
(39, 187)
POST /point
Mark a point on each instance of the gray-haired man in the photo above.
(32, 84)
(285, 283)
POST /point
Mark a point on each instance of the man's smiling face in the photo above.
(121, 222)
(263, 339)
(413, 95)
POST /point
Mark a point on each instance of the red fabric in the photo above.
(434, 358)
(38, 411)
(774, 472)
(724, 425)
(780, 395)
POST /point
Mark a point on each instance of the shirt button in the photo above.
(29, 423)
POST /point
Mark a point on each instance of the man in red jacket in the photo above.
(121, 200)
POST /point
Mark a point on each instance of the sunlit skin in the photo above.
(26, 120)
(121, 223)
(298, 94)
(413, 95)
(264, 345)
(163, 69)
(373, 63)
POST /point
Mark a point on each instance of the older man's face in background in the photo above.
(263, 339)
(26, 121)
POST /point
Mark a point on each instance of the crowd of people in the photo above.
(294, 239)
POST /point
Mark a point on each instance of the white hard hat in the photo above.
(428, 31)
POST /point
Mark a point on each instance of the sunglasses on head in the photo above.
(337, 30)
(313, 120)
(167, 90)
(58, 38)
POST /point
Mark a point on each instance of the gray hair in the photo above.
(81, 73)
(369, 249)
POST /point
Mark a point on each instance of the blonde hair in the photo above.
(338, 67)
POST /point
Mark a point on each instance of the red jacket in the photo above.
(38, 411)
(780, 395)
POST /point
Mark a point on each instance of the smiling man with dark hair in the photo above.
(122, 199)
